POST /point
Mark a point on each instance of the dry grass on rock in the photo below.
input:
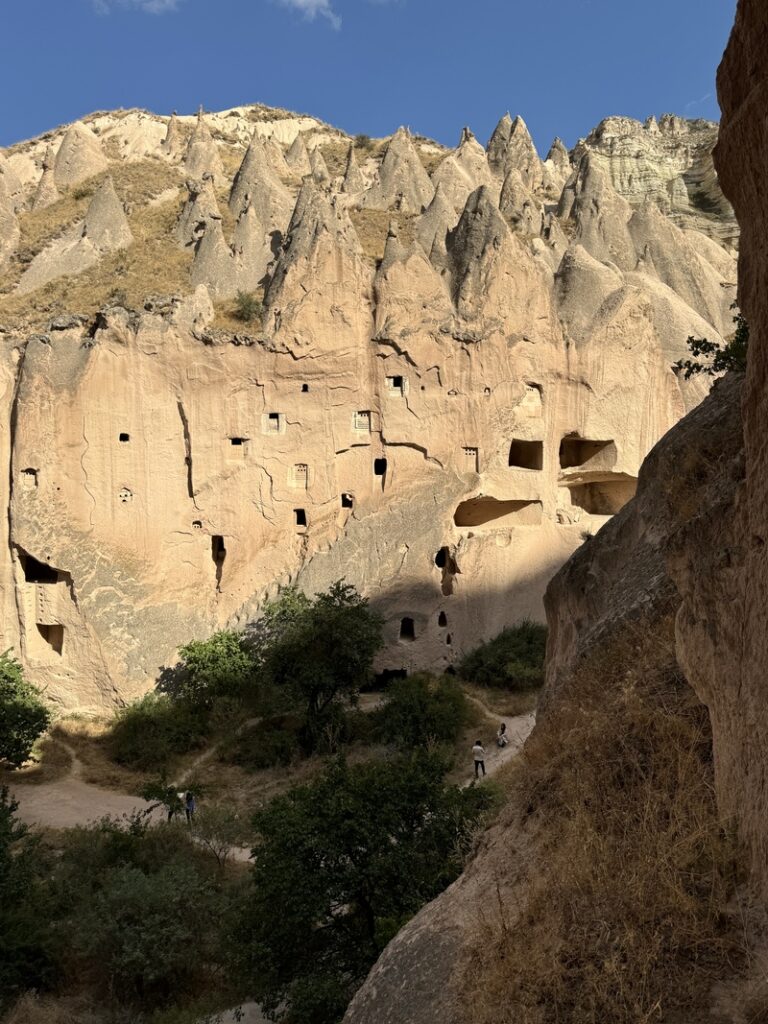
(625, 913)
(372, 227)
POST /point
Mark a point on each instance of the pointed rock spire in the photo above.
(463, 170)
(582, 286)
(275, 158)
(481, 229)
(518, 205)
(214, 263)
(202, 156)
(10, 232)
(600, 215)
(106, 226)
(354, 182)
(80, 156)
(257, 185)
(432, 227)
(200, 207)
(252, 252)
(46, 193)
(173, 143)
(559, 156)
(320, 173)
(297, 157)
(401, 181)
(497, 145)
(11, 189)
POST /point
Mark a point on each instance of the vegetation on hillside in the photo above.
(513, 660)
(718, 358)
(23, 716)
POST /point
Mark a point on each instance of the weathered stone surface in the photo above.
(444, 365)
(79, 156)
(401, 182)
(618, 582)
(462, 171)
(297, 157)
(105, 229)
(202, 156)
(354, 182)
(47, 192)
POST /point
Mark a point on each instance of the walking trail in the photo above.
(69, 802)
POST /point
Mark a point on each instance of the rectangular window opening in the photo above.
(37, 572)
(300, 516)
(53, 636)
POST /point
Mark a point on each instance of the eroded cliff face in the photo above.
(611, 611)
(462, 359)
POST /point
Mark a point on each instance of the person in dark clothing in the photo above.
(189, 806)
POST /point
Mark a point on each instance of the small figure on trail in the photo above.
(189, 806)
(478, 753)
(174, 802)
(501, 736)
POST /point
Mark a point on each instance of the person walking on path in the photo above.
(501, 736)
(478, 753)
(189, 807)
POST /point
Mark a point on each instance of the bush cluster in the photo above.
(514, 660)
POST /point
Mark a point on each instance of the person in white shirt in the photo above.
(478, 752)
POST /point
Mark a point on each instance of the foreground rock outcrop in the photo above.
(444, 373)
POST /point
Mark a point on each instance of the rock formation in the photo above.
(202, 156)
(79, 156)
(401, 182)
(493, 345)
(47, 192)
(104, 230)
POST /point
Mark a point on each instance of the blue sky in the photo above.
(364, 65)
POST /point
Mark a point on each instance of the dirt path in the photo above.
(69, 802)
(519, 728)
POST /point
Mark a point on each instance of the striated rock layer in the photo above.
(455, 365)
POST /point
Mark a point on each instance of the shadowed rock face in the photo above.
(394, 366)
(620, 581)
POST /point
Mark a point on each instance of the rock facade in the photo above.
(441, 420)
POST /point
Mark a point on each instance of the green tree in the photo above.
(341, 864)
(221, 666)
(512, 660)
(720, 358)
(151, 731)
(318, 652)
(420, 711)
(25, 958)
(23, 716)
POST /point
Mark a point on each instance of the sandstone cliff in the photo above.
(673, 587)
(461, 361)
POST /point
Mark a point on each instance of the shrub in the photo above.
(363, 141)
(341, 865)
(274, 741)
(720, 358)
(513, 660)
(25, 956)
(151, 731)
(23, 716)
(247, 307)
(219, 667)
(421, 711)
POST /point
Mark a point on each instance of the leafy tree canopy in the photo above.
(23, 716)
(341, 865)
(719, 358)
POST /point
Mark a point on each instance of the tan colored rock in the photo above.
(511, 148)
(354, 182)
(462, 171)
(11, 188)
(401, 183)
(319, 169)
(105, 229)
(202, 155)
(79, 156)
(257, 185)
(444, 376)
(519, 206)
(297, 157)
(47, 192)
(173, 144)
(10, 232)
(201, 207)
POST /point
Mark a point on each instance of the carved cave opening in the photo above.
(219, 554)
(448, 565)
(35, 571)
(347, 501)
(300, 516)
(53, 636)
(124, 438)
(407, 629)
(442, 619)
(526, 454)
(487, 511)
(577, 451)
(604, 497)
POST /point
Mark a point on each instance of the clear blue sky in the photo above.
(364, 65)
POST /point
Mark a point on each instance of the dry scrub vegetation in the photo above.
(372, 227)
(625, 914)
